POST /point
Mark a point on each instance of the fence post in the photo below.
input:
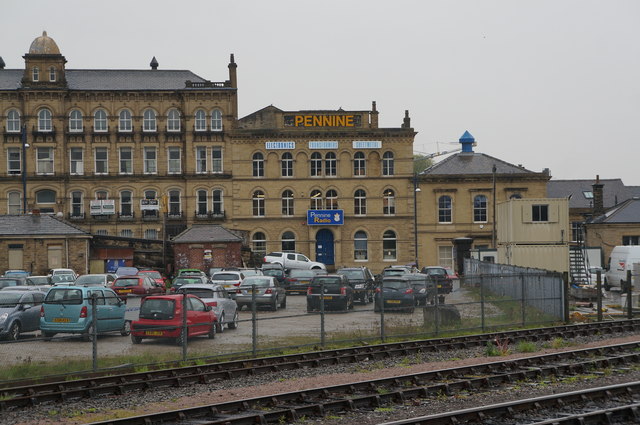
(382, 336)
(629, 298)
(565, 290)
(437, 310)
(254, 323)
(185, 327)
(523, 289)
(482, 323)
(599, 289)
(94, 329)
(322, 333)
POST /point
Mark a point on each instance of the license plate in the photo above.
(153, 333)
(327, 297)
(393, 301)
(125, 291)
(439, 286)
(61, 319)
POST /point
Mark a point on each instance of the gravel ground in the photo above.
(91, 410)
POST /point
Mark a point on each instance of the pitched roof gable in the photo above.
(626, 212)
(473, 163)
(37, 225)
(206, 233)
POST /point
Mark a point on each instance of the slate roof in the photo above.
(37, 225)
(112, 79)
(206, 233)
(613, 192)
(626, 212)
(473, 163)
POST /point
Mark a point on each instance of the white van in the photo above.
(622, 259)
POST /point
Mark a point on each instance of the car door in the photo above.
(115, 308)
(102, 312)
(30, 316)
(197, 317)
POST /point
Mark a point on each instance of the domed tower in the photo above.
(44, 65)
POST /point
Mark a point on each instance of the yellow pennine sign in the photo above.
(322, 121)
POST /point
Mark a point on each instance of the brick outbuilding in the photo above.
(204, 246)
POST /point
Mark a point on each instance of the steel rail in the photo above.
(32, 394)
(338, 399)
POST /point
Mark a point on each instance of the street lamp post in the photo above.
(416, 189)
(25, 145)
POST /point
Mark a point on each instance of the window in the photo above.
(173, 120)
(150, 160)
(200, 121)
(150, 195)
(331, 202)
(151, 234)
(388, 202)
(330, 164)
(515, 196)
(126, 160)
(316, 164)
(360, 202)
(149, 120)
(173, 156)
(216, 159)
(588, 194)
(175, 209)
(100, 121)
(576, 231)
(258, 203)
(216, 120)
(387, 164)
(287, 164)
(540, 213)
(45, 196)
(14, 161)
(76, 161)
(445, 256)
(389, 245)
(102, 161)
(126, 233)
(52, 74)
(288, 242)
(102, 194)
(287, 203)
(35, 74)
(124, 121)
(77, 207)
(444, 209)
(316, 200)
(631, 240)
(75, 121)
(14, 203)
(44, 120)
(201, 203)
(360, 250)
(359, 164)
(201, 160)
(258, 165)
(44, 161)
(259, 243)
(102, 232)
(126, 209)
(480, 209)
(218, 206)
(13, 121)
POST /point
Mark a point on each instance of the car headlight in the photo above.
(3, 317)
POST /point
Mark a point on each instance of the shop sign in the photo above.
(280, 145)
(324, 120)
(367, 144)
(325, 217)
(149, 205)
(323, 145)
(102, 207)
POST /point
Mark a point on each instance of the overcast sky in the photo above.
(546, 84)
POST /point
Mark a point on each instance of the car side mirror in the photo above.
(209, 308)
(23, 307)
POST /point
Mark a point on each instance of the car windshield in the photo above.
(198, 292)
(9, 299)
(38, 280)
(260, 282)
(273, 272)
(158, 309)
(9, 282)
(326, 281)
(394, 272)
(15, 273)
(185, 280)
(394, 284)
(301, 273)
(252, 272)
(89, 279)
(126, 282)
(64, 296)
(225, 276)
(436, 272)
(152, 274)
(60, 278)
(352, 274)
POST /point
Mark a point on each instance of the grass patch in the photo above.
(384, 409)
(526, 347)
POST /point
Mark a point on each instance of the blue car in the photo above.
(19, 312)
(68, 309)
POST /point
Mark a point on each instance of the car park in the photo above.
(19, 312)
(12, 281)
(155, 275)
(98, 279)
(276, 270)
(424, 289)
(184, 280)
(161, 316)
(230, 280)
(225, 308)
(69, 309)
(395, 294)
(441, 278)
(141, 286)
(333, 290)
(292, 260)
(267, 293)
(298, 280)
(362, 280)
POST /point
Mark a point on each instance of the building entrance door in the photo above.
(324, 247)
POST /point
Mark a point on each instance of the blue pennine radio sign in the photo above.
(325, 217)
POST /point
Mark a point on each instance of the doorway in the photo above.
(324, 247)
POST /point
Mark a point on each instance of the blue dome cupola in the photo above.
(467, 142)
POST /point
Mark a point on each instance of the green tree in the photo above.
(420, 163)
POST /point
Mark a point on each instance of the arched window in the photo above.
(288, 242)
(35, 74)
(150, 195)
(515, 196)
(126, 204)
(316, 164)
(287, 164)
(124, 121)
(387, 164)
(173, 120)
(287, 203)
(75, 121)
(258, 203)
(45, 196)
(216, 120)
(52, 74)
(330, 164)
(316, 200)
(77, 204)
(44, 120)
(259, 243)
(444, 209)
(360, 249)
(331, 200)
(100, 120)
(102, 194)
(200, 121)
(388, 202)
(359, 164)
(389, 245)
(175, 205)
(218, 202)
(480, 209)
(360, 202)
(13, 121)
(201, 203)
(149, 120)
(258, 165)
(14, 202)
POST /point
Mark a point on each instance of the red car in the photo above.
(136, 285)
(161, 317)
(155, 275)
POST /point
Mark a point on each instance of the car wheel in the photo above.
(284, 303)
(234, 323)
(212, 331)
(14, 331)
(220, 324)
(136, 339)
(274, 305)
(126, 328)
(88, 335)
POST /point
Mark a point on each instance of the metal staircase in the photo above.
(578, 267)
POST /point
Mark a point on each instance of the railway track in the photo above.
(28, 393)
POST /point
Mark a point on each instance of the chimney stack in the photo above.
(598, 198)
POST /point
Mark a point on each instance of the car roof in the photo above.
(199, 286)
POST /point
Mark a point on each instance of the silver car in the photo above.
(101, 279)
(19, 312)
(216, 296)
(267, 292)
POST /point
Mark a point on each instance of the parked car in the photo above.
(16, 273)
(396, 294)
(38, 281)
(230, 280)
(335, 291)
(225, 308)
(362, 280)
(56, 272)
(136, 285)
(393, 271)
(621, 259)
(298, 280)
(184, 280)
(276, 270)
(440, 276)
(12, 281)
(155, 275)
(99, 279)
(292, 260)
(68, 309)
(425, 290)
(213, 270)
(267, 293)
(191, 272)
(126, 271)
(250, 272)
(63, 279)
(19, 312)
(161, 317)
